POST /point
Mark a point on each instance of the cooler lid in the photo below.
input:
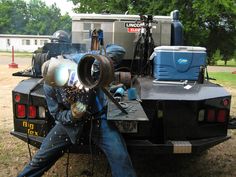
(179, 48)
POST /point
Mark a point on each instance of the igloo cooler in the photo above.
(178, 62)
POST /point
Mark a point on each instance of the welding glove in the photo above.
(78, 110)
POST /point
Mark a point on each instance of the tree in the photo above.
(216, 57)
(5, 9)
(218, 19)
(114, 6)
(43, 19)
(12, 15)
(18, 17)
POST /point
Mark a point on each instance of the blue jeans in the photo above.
(57, 142)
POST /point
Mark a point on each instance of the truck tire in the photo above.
(37, 61)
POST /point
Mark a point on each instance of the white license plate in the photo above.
(127, 126)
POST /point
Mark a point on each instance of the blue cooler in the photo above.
(178, 62)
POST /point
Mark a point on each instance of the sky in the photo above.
(64, 5)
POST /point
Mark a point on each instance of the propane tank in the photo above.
(176, 29)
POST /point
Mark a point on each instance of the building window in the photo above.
(8, 42)
(25, 42)
(91, 26)
(87, 26)
(97, 26)
(35, 42)
(42, 42)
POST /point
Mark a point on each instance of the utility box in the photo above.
(119, 29)
(178, 62)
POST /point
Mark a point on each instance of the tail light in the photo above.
(201, 115)
(17, 98)
(20, 111)
(211, 115)
(221, 116)
(226, 102)
(32, 111)
(41, 112)
(160, 114)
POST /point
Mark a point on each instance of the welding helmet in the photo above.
(60, 36)
(59, 72)
(116, 53)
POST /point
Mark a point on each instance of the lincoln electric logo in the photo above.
(182, 61)
(132, 25)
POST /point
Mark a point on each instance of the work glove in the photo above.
(78, 109)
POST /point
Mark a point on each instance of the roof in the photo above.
(114, 17)
(24, 36)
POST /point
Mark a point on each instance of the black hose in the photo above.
(90, 145)
(27, 119)
(67, 162)
(107, 169)
(90, 172)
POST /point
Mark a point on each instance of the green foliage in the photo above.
(218, 18)
(19, 17)
(113, 6)
(234, 56)
(206, 23)
(216, 57)
(230, 63)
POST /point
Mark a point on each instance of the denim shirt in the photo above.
(59, 108)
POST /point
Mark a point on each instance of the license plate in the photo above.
(182, 147)
(127, 126)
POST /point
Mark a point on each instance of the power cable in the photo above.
(107, 169)
(90, 145)
(67, 162)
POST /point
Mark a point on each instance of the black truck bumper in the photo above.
(145, 146)
(174, 147)
(33, 140)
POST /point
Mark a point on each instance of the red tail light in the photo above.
(20, 111)
(32, 111)
(221, 116)
(211, 115)
(225, 102)
(17, 98)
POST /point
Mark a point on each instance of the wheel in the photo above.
(37, 62)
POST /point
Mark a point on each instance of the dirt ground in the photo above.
(218, 161)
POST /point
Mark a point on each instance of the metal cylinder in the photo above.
(95, 71)
(125, 78)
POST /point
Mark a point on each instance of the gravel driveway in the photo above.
(221, 69)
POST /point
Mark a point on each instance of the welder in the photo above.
(70, 107)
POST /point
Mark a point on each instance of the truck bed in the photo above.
(149, 90)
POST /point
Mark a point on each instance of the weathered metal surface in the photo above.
(134, 109)
(150, 91)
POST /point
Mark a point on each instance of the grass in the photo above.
(225, 78)
(230, 63)
(17, 54)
